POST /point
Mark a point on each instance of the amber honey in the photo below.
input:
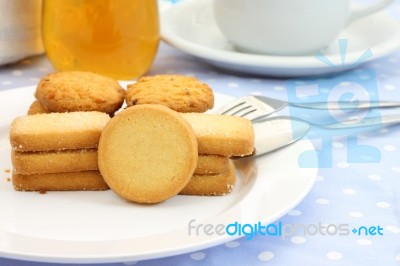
(117, 38)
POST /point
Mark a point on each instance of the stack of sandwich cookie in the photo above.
(57, 151)
(149, 153)
(219, 137)
(160, 146)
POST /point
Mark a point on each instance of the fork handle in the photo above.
(380, 121)
(347, 105)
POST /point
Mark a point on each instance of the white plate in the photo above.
(190, 27)
(101, 227)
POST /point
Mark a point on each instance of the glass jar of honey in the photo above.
(117, 38)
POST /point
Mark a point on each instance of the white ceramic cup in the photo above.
(286, 27)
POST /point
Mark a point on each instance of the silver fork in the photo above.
(254, 107)
(288, 130)
(273, 133)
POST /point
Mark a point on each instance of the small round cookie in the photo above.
(71, 91)
(147, 153)
(180, 93)
(36, 108)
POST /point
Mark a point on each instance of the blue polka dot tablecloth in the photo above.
(358, 182)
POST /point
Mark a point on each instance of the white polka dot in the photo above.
(232, 244)
(294, 212)
(345, 84)
(397, 258)
(384, 130)
(233, 85)
(34, 79)
(198, 256)
(256, 93)
(364, 242)
(320, 178)
(130, 262)
(297, 240)
(396, 169)
(383, 204)
(393, 229)
(389, 148)
(356, 214)
(338, 145)
(375, 177)
(329, 229)
(322, 201)
(334, 255)
(342, 165)
(349, 191)
(389, 87)
(17, 73)
(279, 88)
(7, 82)
(265, 256)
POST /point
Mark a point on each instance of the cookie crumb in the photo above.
(8, 179)
(7, 171)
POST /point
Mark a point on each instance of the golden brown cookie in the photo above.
(57, 131)
(147, 153)
(222, 134)
(211, 164)
(86, 180)
(36, 108)
(180, 93)
(71, 91)
(27, 163)
(211, 184)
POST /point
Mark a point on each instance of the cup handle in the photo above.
(358, 13)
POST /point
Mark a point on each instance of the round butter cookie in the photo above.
(180, 93)
(147, 153)
(70, 91)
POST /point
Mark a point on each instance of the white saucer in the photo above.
(190, 27)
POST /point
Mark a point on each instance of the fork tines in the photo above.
(239, 108)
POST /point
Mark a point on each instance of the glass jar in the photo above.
(117, 38)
